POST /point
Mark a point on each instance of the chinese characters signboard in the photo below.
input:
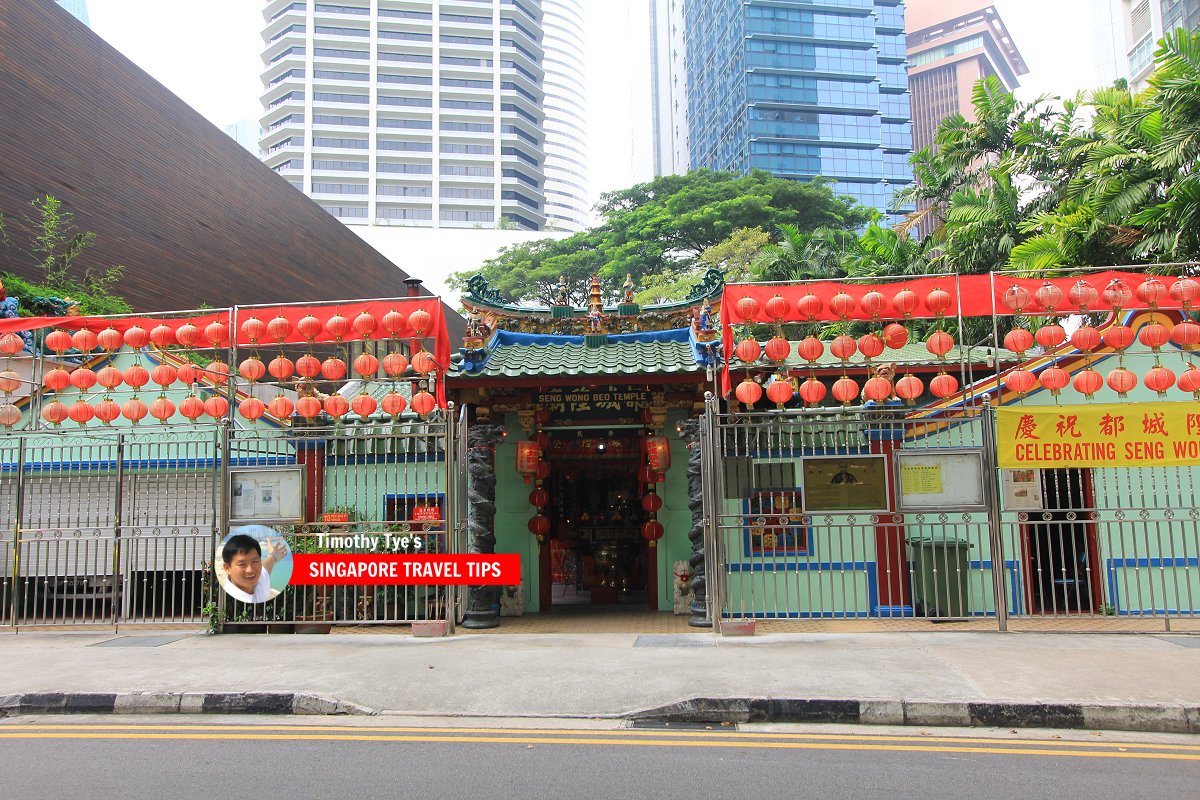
(594, 402)
(1101, 435)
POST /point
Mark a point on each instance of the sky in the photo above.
(207, 52)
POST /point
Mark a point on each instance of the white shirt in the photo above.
(262, 590)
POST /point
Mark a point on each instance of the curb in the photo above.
(1160, 718)
(176, 703)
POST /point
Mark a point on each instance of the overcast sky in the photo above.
(207, 52)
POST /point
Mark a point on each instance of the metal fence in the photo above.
(866, 513)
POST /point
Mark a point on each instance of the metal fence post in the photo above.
(710, 468)
(995, 522)
(118, 577)
(15, 602)
(450, 477)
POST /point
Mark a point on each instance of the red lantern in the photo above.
(939, 301)
(1085, 338)
(57, 379)
(845, 390)
(394, 364)
(162, 335)
(939, 343)
(163, 375)
(253, 330)
(652, 503)
(11, 344)
(309, 327)
(217, 372)
(1020, 380)
(906, 302)
(365, 324)
(1122, 381)
(394, 404)
(943, 385)
(543, 471)
(136, 337)
(107, 410)
(333, 369)
(191, 407)
(1159, 379)
(187, 334)
(1189, 380)
(1083, 295)
(1152, 292)
(539, 498)
(748, 392)
(1117, 294)
(1050, 336)
(895, 335)
(366, 364)
(188, 373)
(281, 407)
(652, 530)
(1048, 296)
(1118, 337)
(1015, 298)
(1186, 334)
(909, 388)
(162, 409)
(134, 410)
(10, 415)
(810, 349)
(1154, 335)
(543, 440)
(1018, 340)
(281, 368)
(423, 362)
(419, 321)
(873, 304)
(809, 306)
(364, 405)
(778, 308)
(748, 350)
(539, 525)
(778, 349)
(82, 379)
(110, 339)
(658, 453)
(1088, 382)
(870, 345)
(252, 408)
(10, 381)
(393, 322)
(336, 327)
(109, 377)
(842, 304)
(1054, 379)
(423, 402)
(308, 407)
(279, 328)
(336, 406)
(812, 391)
(54, 412)
(747, 308)
(136, 376)
(252, 368)
(81, 411)
(843, 347)
(83, 340)
(1185, 291)
(58, 341)
(877, 389)
(217, 333)
(308, 366)
(779, 392)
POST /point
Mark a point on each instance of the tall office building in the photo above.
(799, 88)
(1127, 34)
(668, 88)
(563, 27)
(425, 114)
(78, 8)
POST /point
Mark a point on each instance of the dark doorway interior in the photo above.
(1060, 551)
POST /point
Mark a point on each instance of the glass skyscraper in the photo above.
(803, 89)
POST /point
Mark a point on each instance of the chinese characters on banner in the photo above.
(1116, 435)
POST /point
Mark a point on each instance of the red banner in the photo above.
(316, 569)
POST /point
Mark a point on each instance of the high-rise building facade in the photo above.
(78, 8)
(1127, 34)
(565, 47)
(411, 113)
(803, 89)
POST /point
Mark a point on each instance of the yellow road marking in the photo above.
(575, 740)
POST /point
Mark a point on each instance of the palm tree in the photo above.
(804, 256)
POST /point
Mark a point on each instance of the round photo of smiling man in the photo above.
(254, 563)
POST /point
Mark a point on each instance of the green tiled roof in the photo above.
(614, 358)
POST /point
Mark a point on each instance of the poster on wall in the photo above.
(774, 523)
(851, 483)
(1022, 489)
(940, 480)
(266, 494)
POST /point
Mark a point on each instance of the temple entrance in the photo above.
(596, 554)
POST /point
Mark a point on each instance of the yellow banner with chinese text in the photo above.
(1101, 435)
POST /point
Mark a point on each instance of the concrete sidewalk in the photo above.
(1126, 682)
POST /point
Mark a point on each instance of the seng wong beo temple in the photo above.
(955, 447)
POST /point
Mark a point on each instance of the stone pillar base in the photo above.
(477, 620)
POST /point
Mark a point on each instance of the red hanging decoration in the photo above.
(162, 336)
(812, 392)
(308, 407)
(253, 330)
(365, 324)
(1151, 292)
(134, 410)
(909, 388)
(870, 345)
(539, 525)
(1122, 381)
(1185, 291)
(252, 369)
(1154, 335)
(423, 362)
(1117, 294)
(652, 503)
(136, 337)
(1054, 379)
(809, 306)
(11, 344)
(393, 322)
(162, 409)
(333, 369)
(217, 333)
(252, 408)
(10, 415)
(843, 347)
(939, 343)
(939, 301)
(1050, 336)
(188, 373)
(1083, 295)
(107, 410)
(136, 376)
(873, 304)
(778, 308)
(748, 392)
(164, 375)
(419, 321)
(1186, 334)
(394, 364)
(110, 377)
(309, 327)
(336, 406)
(1118, 337)
(1159, 379)
(905, 302)
(895, 335)
(748, 351)
(10, 381)
(877, 389)
(1085, 338)
(308, 366)
(366, 365)
(747, 308)
(109, 339)
(279, 328)
(81, 411)
(423, 403)
(58, 341)
(778, 349)
(539, 498)
(943, 385)
(336, 326)
(810, 349)
(281, 368)
(394, 404)
(217, 372)
(187, 334)
(845, 390)
(1015, 298)
(1189, 380)
(780, 392)
(652, 530)
(82, 379)
(1048, 296)
(191, 407)
(1020, 380)
(83, 340)
(1018, 340)
(842, 304)
(364, 405)
(55, 412)
(658, 453)
(281, 407)
(56, 379)
(1087, 382)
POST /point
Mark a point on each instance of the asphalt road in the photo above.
(50, 757)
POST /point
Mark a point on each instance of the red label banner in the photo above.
(346, 569)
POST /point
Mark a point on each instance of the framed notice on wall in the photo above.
(266, 494)
(940, 480)
(1022, 489)
(850, 483)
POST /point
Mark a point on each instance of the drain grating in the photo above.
(675, 640)
(139, 641)
(657, 725)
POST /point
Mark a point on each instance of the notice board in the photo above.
(940, 480)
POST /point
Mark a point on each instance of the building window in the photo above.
(347, 212)
(329, 119)
(339, 166)
(402, 190)
(339, 188)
